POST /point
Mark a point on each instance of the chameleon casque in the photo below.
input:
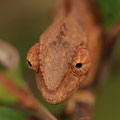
(68, 55)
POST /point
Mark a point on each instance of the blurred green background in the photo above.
(21, 24)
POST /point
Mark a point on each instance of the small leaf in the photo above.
(110, 10)
(6, 97)
(10, 114)
(16, 77)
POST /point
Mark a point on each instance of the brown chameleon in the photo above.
(68, 54)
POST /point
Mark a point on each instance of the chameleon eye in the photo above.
(33, 58)
(32, 65)
(78, 65)
(29, 63)
(81, 62)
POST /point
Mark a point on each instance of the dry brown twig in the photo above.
(9, 57)
(26, 98)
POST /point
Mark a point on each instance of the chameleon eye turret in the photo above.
(81, 62)
(33, 58)
(29, 64)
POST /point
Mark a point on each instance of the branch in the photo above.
(26, 98)
(80, 105)
(114, 32)
(112, 36)
(83, 111)
(9, 57)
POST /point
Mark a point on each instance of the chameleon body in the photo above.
(67, 56)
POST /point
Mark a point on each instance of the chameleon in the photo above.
(69, 54)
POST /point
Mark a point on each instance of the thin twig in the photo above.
(26, 98)
(9, 57)
(83, 111)
(114, 32)
(111, 38)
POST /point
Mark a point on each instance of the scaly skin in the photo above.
(69, 51)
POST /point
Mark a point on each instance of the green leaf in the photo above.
(6, 97)
(10, 114)
(16, 76)
(110, 10)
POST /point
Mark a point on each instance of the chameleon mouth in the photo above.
(66, 88)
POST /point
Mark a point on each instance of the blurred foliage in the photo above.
(17, 78)
(21, 23)
(10, 114)
(6, 97)
(110, 10)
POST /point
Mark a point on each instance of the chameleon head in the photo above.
(61, 61)
(70, 74)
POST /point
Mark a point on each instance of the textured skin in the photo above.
(75, 36)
